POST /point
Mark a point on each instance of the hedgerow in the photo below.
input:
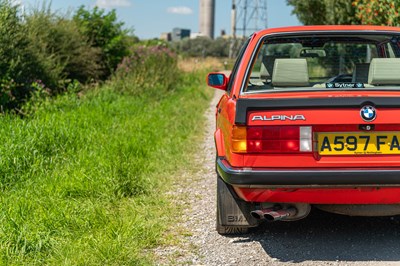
(40, 45)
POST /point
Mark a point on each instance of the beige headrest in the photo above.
(384, 71)
(290, 73)
(267, 65)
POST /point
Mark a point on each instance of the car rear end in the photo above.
(312, 118)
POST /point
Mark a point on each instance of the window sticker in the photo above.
(344, 85)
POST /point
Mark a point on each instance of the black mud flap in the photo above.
(232, 211)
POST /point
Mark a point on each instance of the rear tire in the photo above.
(233, 214)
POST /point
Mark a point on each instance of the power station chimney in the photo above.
(207, 18)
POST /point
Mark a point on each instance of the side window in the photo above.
(390, 51)
(236, 66)
(396, 47)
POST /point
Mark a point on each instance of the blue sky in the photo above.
(149, 18)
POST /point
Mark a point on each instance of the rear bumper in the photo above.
(272, 178)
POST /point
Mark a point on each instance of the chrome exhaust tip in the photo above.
(260, 214)
(278, 215)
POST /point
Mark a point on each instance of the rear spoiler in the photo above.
(245, 105)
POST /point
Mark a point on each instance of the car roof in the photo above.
(329, 28)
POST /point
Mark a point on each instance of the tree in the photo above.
(374, 12)
(309, 12)
(105, 33)
(370, 12)
(324, 12)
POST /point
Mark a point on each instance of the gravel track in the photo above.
(320, 239)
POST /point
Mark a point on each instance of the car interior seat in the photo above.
(384, 71)
(267, 67)
(291, 72)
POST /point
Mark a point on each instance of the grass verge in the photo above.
(82, 180)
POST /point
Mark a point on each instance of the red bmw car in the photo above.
(310, 117)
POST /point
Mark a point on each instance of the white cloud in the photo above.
(112, 3)
(180, 10)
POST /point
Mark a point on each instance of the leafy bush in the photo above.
(18, 66)
(63, 52)
(106, 33)
(57, 51)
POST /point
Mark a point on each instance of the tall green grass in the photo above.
(82, 179)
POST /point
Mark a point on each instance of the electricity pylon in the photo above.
(248, 16)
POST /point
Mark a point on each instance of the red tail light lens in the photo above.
(272, 139)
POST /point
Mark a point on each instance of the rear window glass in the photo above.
(325, 62)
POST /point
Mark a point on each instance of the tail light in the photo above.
(271, 139)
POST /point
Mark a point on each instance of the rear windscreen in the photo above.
(320, 62)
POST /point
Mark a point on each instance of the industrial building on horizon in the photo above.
(176, 35)
(247, 16)
(206, 24)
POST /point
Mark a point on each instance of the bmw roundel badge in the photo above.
(368, 113)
